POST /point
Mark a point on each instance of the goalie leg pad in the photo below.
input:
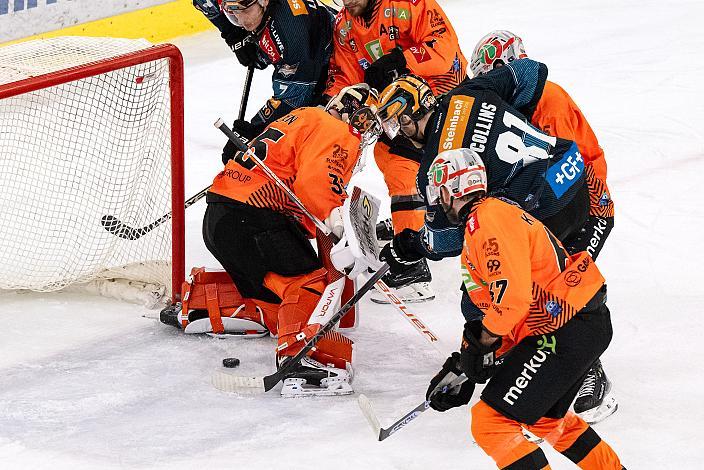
(300, 295)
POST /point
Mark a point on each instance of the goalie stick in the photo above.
(235, 383)
(382, 433)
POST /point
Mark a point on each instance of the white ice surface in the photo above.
(88, 383)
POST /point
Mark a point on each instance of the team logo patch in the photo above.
(287, 70)
(563, 174)
(374, 49)
(270, 107)
(419, 53)
(544, 343)
(467, 280)
(455, 123)
(344, 31)
(266, 43)
(473, 224)
(573, 278)
(604, 200)
(364, 63)
(435, 19)
(397, 12)
(455, 64)
(553, 308)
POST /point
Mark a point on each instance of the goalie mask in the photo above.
(409, 95)
(497, 48)
(356, 105)
(460, 171)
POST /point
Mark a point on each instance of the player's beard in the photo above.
(357, 7)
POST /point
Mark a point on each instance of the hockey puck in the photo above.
(230, 362)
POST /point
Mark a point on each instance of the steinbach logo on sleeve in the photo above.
(298, 7)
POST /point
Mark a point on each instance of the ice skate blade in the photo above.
(412, 293)
(297, 388)
(408, 300)
(236, 383)
(239, 334)
(601, 412)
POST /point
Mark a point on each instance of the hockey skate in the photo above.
(594, 401)
(311, 378)
(411, 285)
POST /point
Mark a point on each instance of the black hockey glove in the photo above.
(401, 252)
(245, 47)
(245, 129)
(477, 361)
(442, 398)
(386, 69)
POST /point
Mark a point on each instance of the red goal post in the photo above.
(85, 141)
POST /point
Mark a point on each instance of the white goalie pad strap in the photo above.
(231, 325)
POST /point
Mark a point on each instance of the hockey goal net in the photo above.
(91, 145)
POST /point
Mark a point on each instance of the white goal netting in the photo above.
(74, 153)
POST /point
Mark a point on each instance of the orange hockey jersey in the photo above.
(558, 115)
(419, 27)
(519, 274)
(311, 151)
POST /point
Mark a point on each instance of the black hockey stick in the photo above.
(118, 228)
(245, 92)
(382, 433)
(235, 383)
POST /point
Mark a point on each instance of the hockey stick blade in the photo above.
(118, 228)
(368, 411)
(382, 433)
(235, 383)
